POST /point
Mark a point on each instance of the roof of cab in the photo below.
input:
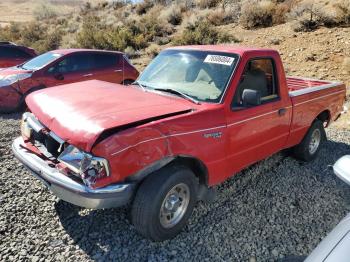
(224, 48)
(73, 50)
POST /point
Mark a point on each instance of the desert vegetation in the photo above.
(147, 26)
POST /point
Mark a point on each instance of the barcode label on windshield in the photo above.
(219, 59)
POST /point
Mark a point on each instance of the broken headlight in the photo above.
(26, 129)
(11, 79)
(89, 167)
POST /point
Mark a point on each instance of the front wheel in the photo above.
(309, 147)
(164, 202)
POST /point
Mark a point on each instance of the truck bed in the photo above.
(298, 85)
(310, 98)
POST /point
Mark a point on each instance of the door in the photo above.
(257, 131)
(108, 67)
(73, 68)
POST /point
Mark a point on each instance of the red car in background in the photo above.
(12, 54)
(61, 67)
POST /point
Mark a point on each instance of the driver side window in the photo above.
(71, 64)
(259, 76)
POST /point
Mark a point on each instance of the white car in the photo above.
(336, 246)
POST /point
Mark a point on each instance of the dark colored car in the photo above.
(62, 67)
(12, 54)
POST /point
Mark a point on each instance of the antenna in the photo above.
(123, 70)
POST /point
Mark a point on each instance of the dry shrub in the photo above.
(131, 52)
(153, 50)
(207, 3)
(342, 12)
(11, 33)
(193, 17)
(172, 14)
(134, 31)
(220, 17)
(150, 25)
(143, 7)
(262, 13)
(34, 34)
(45, 11)
(99, 36)
(202, 32)
(281, 11)
(308, 16)
(257, 14)
(346, 65)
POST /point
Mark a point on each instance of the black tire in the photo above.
(303, 150)
(22, 106)
(150, 197)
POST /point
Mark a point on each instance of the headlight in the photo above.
(11, 79)
(89, 167)
(26, 130)
(28, 124)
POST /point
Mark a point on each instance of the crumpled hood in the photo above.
(78, 113)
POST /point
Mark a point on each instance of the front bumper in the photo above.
(69, 190)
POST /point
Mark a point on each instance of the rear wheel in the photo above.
(309, 147)
(164, 202)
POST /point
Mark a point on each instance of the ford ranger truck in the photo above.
(196, 116)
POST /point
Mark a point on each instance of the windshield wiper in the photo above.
(143, 87)
(176, 92)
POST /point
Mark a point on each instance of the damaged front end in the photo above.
(89, 167)
(70, 173)
(84, 165)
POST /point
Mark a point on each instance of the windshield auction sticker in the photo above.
(219, 59)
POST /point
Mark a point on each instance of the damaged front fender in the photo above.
(10, 99)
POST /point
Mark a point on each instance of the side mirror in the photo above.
(58, 76)
(251, 97)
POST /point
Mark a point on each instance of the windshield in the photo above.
(40, 61)
(202, 75)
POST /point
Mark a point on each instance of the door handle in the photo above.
(118, 70)
(88, 75)
(282, 111)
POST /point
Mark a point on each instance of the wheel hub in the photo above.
(315, 141)
(174, 205)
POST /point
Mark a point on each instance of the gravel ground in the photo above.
(276, 208)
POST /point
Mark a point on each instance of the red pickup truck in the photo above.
(196, 116)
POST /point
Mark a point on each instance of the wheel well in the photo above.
(324, 116)
(196, 166)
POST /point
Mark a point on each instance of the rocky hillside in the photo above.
(312, 36)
